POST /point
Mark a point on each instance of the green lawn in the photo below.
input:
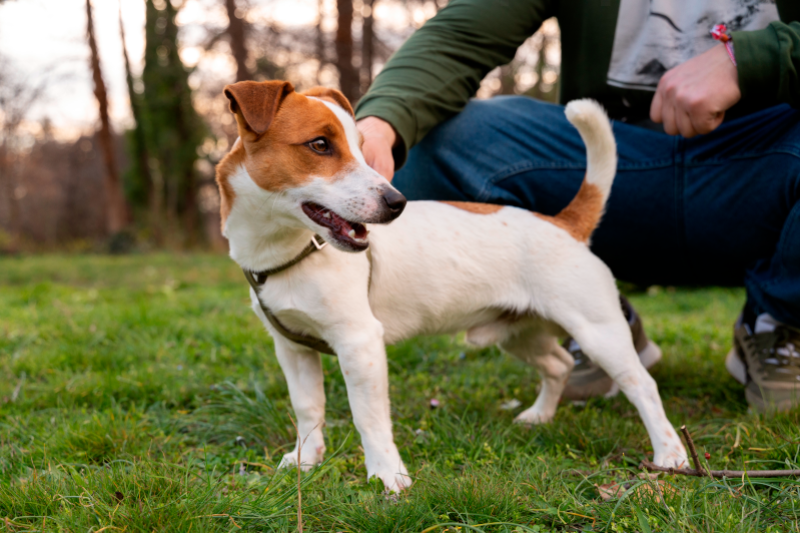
(141, 394)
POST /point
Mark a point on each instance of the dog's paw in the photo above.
(673, 457)
(533, 416)
(290, 459)
(394, 481)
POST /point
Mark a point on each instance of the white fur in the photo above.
(595, 130)
(510, 278)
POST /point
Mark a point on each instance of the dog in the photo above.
(296, 177)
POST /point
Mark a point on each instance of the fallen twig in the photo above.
(690, 444)
(719, 474)
(698, 471)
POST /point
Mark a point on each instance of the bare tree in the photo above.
(348, 75)
(17, 96)
(116, 208)
(139, 140)
(367, 43)
(320, 40)
(237, 33)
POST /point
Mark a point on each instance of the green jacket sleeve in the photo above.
(435, 73)
(769, 64)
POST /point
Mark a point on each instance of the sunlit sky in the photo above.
(46, 38)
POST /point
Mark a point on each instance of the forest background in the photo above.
(135, 169)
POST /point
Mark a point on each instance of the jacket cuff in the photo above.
(759, 66)
(398, 116)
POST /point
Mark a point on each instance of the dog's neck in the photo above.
(260, 237)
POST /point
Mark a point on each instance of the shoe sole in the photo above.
(605, 386)
(761, 405)
(735, 366)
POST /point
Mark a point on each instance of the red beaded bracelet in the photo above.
(720, 33)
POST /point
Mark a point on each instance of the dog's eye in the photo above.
(319, 145)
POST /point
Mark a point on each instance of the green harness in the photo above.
(258, 279)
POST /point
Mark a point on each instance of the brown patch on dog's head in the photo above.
(255, 104)
(476, 207)
(282, 133)
(331, 95)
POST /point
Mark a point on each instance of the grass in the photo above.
(141, 394)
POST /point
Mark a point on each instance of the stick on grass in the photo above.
(698, 471)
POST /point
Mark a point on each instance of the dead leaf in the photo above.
(610, 491)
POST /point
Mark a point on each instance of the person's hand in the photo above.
(692, 98)
(379, 138)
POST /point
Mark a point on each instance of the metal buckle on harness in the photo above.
(318, 245)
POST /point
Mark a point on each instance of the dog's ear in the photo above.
(333, 95)
(256, 103)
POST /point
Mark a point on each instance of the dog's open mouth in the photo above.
(349, 234)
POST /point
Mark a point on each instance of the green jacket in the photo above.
(437, 71)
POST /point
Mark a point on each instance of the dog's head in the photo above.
(302, 152)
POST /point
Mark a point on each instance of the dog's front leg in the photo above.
(362, 356)
(303, 370)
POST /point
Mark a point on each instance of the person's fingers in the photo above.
(708, 123)
(378, 138)
(684, 124)
(385, 167)
(378, 155)
(668, 117)
(656, 114)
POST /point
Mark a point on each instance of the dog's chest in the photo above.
(323, 291)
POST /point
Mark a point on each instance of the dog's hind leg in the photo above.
(540, 348)
(303, 370)
(609, 344)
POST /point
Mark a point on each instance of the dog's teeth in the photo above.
(351, 234)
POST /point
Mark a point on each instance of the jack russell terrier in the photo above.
(296, 180)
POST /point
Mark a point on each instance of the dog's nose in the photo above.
(395, 201)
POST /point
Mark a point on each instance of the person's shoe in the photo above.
(767, 362)
(588, 380)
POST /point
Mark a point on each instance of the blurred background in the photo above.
(112, 116)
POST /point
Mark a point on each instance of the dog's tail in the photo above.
(584, 212)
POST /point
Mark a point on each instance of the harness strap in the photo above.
(258, 279)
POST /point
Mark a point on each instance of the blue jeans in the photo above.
(720, 209)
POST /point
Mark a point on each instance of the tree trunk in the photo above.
(237, 34)
(9, 183)
(368, 43)
(116, 209)
(140, 143)
(348, 75)
(320, 34)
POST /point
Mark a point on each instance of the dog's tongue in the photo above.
(337, 224)
(353, 230)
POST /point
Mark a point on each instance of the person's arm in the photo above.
(437, 71)
(769, 64)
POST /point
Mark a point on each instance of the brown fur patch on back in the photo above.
(476, 207)
(582, 215)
